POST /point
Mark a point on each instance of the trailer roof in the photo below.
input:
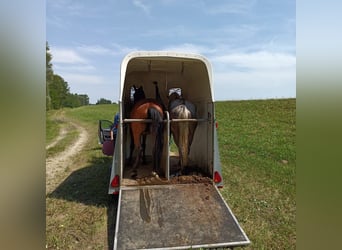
(167, 62)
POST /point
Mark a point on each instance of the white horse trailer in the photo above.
(157, 212)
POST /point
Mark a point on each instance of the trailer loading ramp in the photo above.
(179, 216)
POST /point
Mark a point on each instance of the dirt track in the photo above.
(62, 133)
(57, 164)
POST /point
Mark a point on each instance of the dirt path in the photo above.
(57, 164)
(61, 135)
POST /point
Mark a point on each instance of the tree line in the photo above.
(58, 92)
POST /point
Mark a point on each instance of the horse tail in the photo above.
(157, 128)
(155, 115)
(157, 118)
(158, 97)
(184, 134)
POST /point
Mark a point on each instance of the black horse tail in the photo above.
(154, 114)
(157, 128)
(157, 122)
(158, 97)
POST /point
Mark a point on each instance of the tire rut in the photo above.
(56, 164)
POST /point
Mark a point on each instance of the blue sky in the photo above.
(251, 44)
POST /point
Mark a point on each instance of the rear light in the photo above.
(115, 182)
(216, 124)
(217, 177)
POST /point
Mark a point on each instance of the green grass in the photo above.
(90, 115)
(258, 157)
(77, 211)
(53, 125)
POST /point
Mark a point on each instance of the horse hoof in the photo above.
(134, 175)
(155, 174)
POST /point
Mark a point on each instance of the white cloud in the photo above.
(56, 22)
(254, 85)
(72, 8)
(112, 50)
(143, 6)
(190, 48)
(118, 49)
(81, 79)
(229, 7)
(68, 56)
(94, 49)
(255, 75)
(169, 33)
(261, 60)
(73, 68)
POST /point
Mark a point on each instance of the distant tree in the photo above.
(84, 99)
(59, 91)
(75, 100)
(103, 101)
(49, 76)
(72, 101)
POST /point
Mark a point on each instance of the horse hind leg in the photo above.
(131, 149)
(192, 128)
(158, 149)
(155, 158)
(183, 144)
(143, 145)
(136, 163)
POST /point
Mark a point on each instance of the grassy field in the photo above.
(258, 157)
(78, 214)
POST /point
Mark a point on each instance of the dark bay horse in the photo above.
(146, 109)
(139, 94)
(183, 131)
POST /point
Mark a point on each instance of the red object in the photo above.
(217, 177)
(115, 182)
(108, 148)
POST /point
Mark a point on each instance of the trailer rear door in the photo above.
(179, 216)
